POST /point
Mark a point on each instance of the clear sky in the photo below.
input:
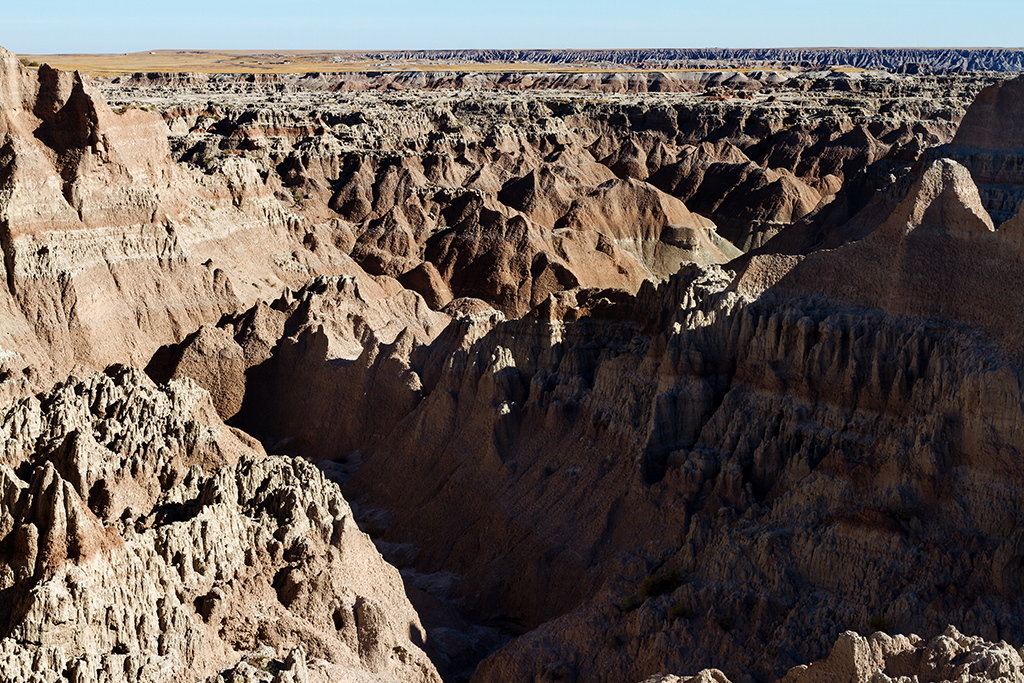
(63, 26)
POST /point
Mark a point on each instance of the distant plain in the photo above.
(302, 61)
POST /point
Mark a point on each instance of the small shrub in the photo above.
(878, 622)
(900, 513)
(680, 611)
(630, 603)
(33, 64)
(723, 621)
(660, 584)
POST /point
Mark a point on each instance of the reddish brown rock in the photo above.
(425, 280)
(217, 363)
(984, 127)
(110, 248)
(750, 465)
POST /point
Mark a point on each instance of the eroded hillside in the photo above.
(520, 330)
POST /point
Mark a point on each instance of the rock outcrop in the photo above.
(892, 372)
(950, 656)
(993, 152)
(929, 248)
(144, 540)
(111, 249)
(879, 657)
(448, 176)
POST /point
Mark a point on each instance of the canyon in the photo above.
(499, 377)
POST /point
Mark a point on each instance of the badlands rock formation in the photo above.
(110, 249)
(403, 167)
(896, 60)
(603, 443)
(146, 541)
(749, 468)
(880, 658)
(892, 59)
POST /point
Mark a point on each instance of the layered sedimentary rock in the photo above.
(749, 468)
(499, 213)
(713, 491)
(994, 154)
(517, 346)
(600, 82)
(405, 168)
(893, 423)
(964, 59)
(111, 249)
(938, 251)
(605, 70)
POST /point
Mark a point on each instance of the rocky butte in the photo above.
(426, 382)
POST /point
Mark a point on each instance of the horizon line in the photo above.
(526, 49)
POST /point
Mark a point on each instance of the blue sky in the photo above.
(62, 26)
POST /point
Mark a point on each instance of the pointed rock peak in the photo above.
(11, 66)
(953, 199)
(992, 121)
(944, 199)
(55, 90)
(17, 87)
(707, 153)
(1014, 227)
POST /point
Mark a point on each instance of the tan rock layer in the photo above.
(151, 542)
(948, 657)
(111, 249)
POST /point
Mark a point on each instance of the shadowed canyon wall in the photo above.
(522, 334)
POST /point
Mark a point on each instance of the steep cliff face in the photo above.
(663, 491)
(938, 251)
(994, 153)
(837, 445)
(111, 249)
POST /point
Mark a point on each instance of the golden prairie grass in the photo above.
(301, 62)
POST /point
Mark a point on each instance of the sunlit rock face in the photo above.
(602, 442)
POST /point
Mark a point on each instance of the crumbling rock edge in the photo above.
(881, 658)
(145, 541)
